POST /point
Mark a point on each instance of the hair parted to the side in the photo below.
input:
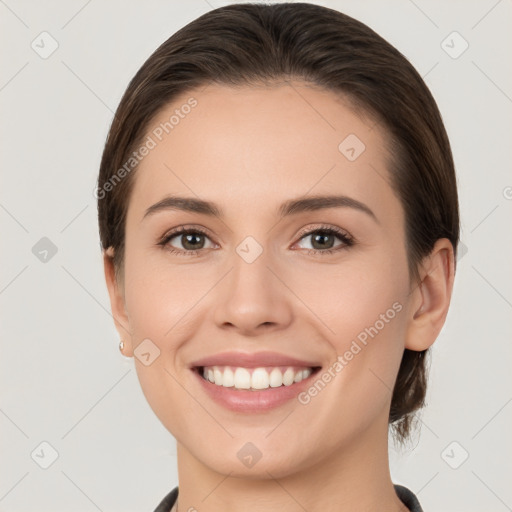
(250, 44)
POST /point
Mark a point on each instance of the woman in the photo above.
(278, 211)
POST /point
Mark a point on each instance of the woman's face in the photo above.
(249, 282)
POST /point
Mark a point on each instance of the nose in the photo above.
(254, 298)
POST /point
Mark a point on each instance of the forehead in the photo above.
(250, 146)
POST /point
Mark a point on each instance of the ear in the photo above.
(117, 303)
(431, 297)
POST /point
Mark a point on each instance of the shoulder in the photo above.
(168, 502)
(408, 498)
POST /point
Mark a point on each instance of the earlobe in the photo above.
(117, 302)
(431, 297)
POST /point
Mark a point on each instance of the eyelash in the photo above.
(347, 240)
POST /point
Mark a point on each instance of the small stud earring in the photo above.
(121, 345)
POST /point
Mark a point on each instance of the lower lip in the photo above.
(241, 400)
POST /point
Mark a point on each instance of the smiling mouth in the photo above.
(255, 379)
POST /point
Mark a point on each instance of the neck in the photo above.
(355, 477)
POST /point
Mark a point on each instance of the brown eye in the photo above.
(188, 241)
(323, 240)
(191, 241)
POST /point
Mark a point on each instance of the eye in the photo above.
(324, 237)
(192, 240)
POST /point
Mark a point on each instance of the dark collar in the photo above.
(407, 497)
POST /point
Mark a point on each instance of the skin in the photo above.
(249, 149)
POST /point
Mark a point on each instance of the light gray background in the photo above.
(63, 380)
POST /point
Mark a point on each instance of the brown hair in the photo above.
(248, 44)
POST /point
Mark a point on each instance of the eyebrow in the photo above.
(291, 207)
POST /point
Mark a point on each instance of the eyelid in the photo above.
(183, 228)
(304, 231)
(325, 227)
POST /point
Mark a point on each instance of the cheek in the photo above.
(160, 302)
(351, 296)
(163, 303)
(160, 295)
(364, 308)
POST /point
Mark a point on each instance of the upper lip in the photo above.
(253, 360)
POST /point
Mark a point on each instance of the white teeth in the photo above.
(288, 377)
(217, 375)
(242, 379)
(260, 378)
(228, 380)
(276, 378)
(302, 375)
